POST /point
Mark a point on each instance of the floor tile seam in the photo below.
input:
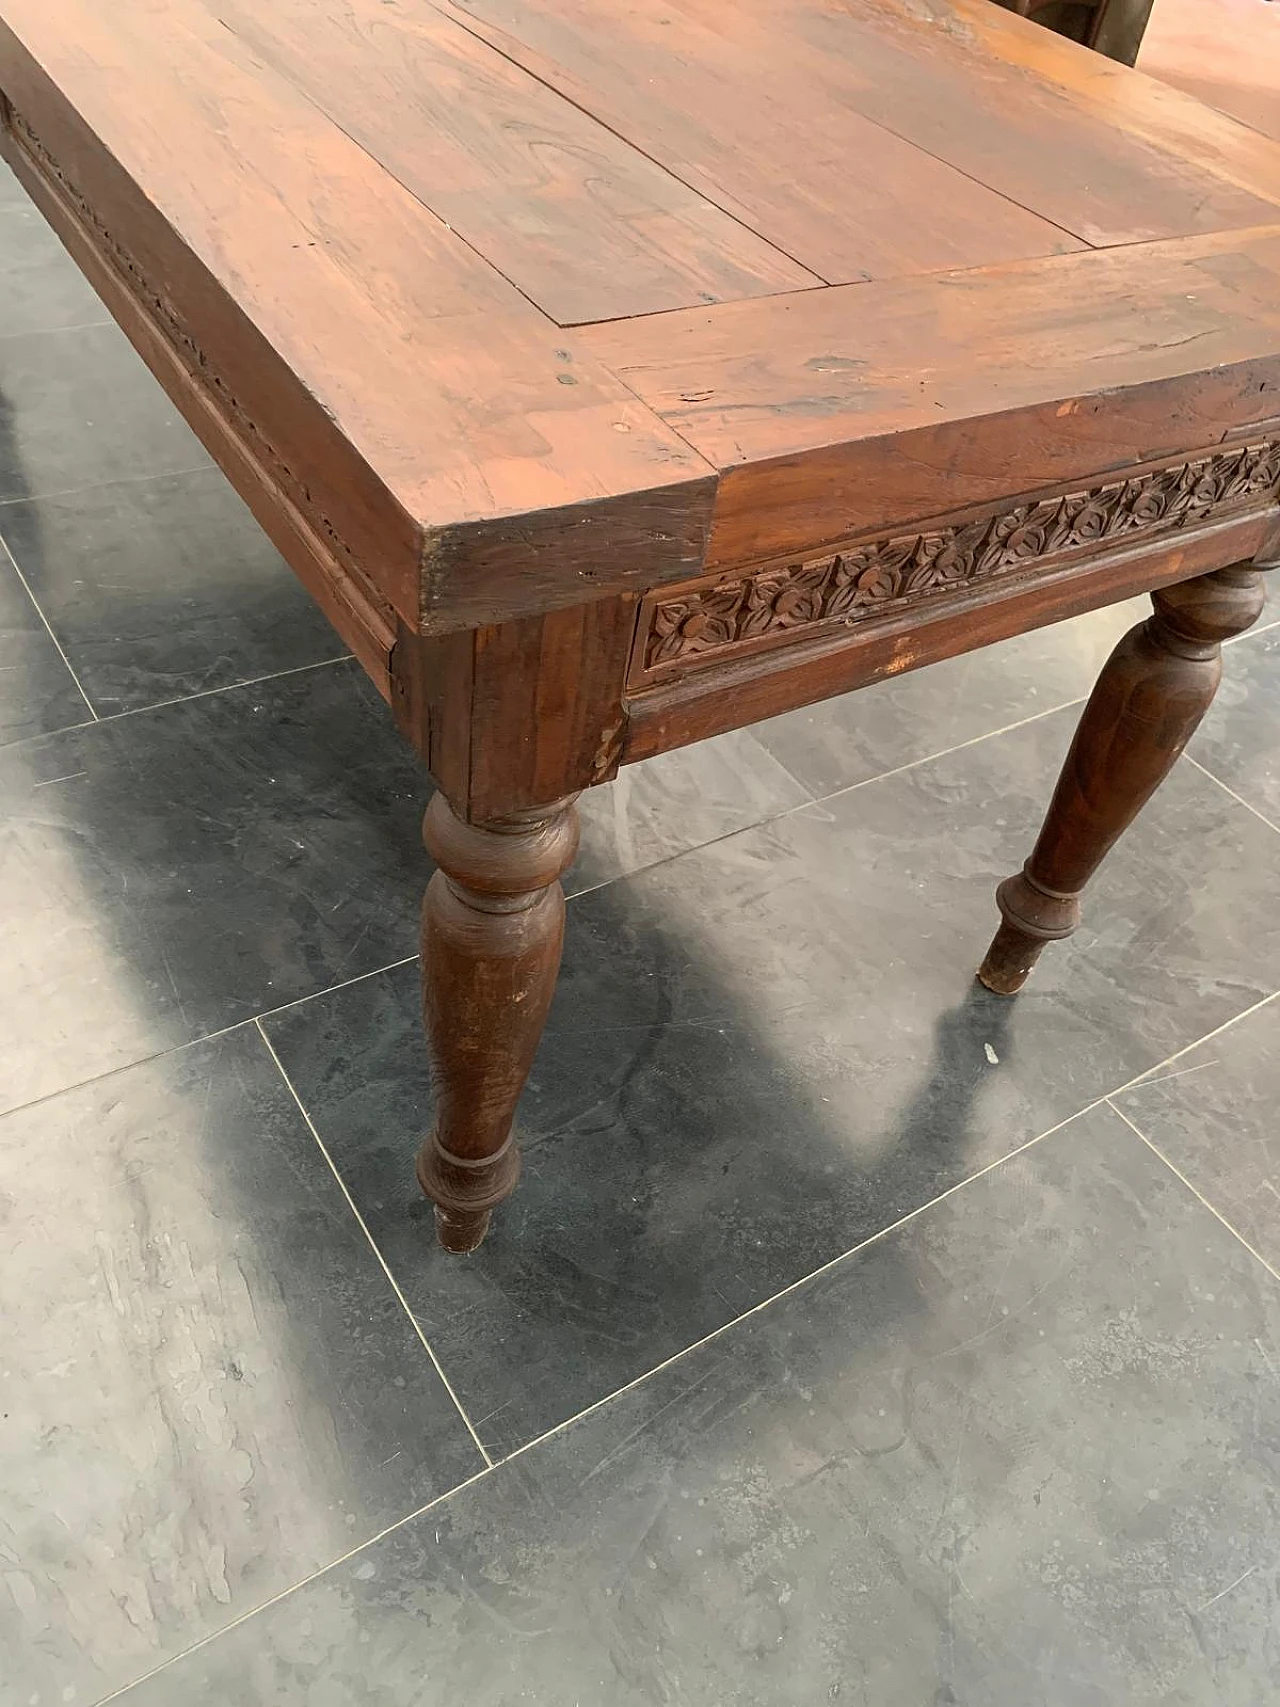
(1146, 1075)
(9, 558)
(204, 1037)
(167, 704)
(227, 687)
(102, 485)
(266, 1014)
(803, 1280)
(492, 1466)
(374, 1247)
(1252, 633)
(814, 800)
(50, 331)
(1227, 789)
(873, 1238)
(942, 753)
(1193, 1189)
(283, 1594)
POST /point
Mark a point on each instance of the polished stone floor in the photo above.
(855, 1336)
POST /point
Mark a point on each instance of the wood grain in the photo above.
(761, 138)
(516, 714)
(1024, 119)
(847, 409)
(399, 389)
(582, 223)
(1144, 108)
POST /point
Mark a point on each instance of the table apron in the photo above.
(725, 688)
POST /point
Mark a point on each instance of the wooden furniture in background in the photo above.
(1113, 27)
(614, 376)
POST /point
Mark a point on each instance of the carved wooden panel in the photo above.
(706, 621)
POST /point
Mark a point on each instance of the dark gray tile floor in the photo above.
(122, 573)
(1023, 1449)
(854, 1335)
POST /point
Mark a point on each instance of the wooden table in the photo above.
(618, 372)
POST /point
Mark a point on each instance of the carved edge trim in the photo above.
(869, 580)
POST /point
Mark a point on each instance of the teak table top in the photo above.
(520, 300)
(617, 372)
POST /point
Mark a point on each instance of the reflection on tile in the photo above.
(1213, 1114)
(906, 718)
(37, 691)
(78, 408)
(168, 874)
(210, 1390)
(767, 1050)
(162, 588)
(1239, 740)
(677, 801)
(41, 288)
(1022, 1450)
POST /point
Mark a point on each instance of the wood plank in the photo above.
(752, 131)
(581, 222)
(1016, 107)
(708, 704)
(859, 407)
(400, 391)
(1143, 106)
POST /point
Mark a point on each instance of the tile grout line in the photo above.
(579, 1416)
(803, 1280)
(1195, 1192)
(284, 1593)
(168, 704)
(913, 764)
(1239, 798)
(1145, 1076)
(205, 1036)
(822, 799)
(492, 1465)
(945, 752)
(119, 480)
(228, 687)
(363, 1225)
(331, 989)
(53, 331)
(36, 606)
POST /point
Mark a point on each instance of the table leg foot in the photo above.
(492, 930)
(1151, 695)
(1016, 946)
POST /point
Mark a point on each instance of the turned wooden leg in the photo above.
(1153, 691)
(492, 930)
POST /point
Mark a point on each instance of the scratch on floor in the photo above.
(1244, 1575)
(1180, 1074)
